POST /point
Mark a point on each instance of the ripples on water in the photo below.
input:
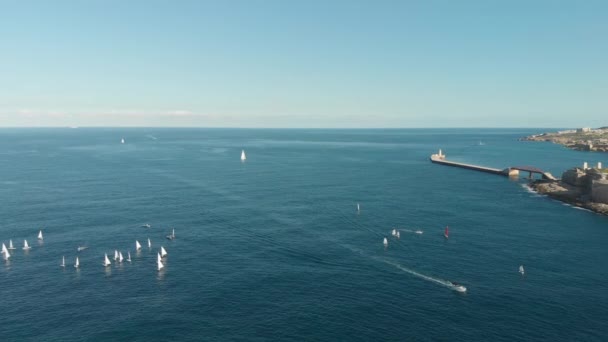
(274, 249)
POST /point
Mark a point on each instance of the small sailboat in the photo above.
(25, 245)
(172, 235)
(521, 269)
(62, 261)
(446, 233)
(394, 232)
(358, 207)
(40, 235)
(106, 261)
(7, 255)
(149, 243)
(129, 256)
(122, 140)
(159, 262)
(10, 244)
(398, 235)
(77, 263)
(137, 245)
(385, 242)
(243, 157)
(115, 255)
(163, 252)
(120, 258)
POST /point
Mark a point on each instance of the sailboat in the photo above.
(159, 262)
(106, 261)
(385, 242)
(122, 140)
(398, 235)
(163, 252)
(358, 207)
(394, 232)
(25, 245)
(446, 233)
(7, 255)
(172, 235)
(115, 255)
(10, 244)
(120, 258)
(137, 245)
(243, 157)
(62, 262)
(129, 256)
(521, 269)
(149, 243)
(77, 263)
(40, 235)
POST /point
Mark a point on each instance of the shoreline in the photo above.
(569, 194)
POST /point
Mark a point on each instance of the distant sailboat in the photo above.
(446, 233)
(77, 263)
(159, 262)
(120, 258)
(398, 235)
(521, 269)
(243, 157)
(62, 262)
(137, 245)
(149, 243)
(385, 242)
(25, 245)
(10, 244)
(122, 140)
(7, 255)
(163, 252)
(394, 232)
(115, 255)
(172, 235)
(40, 235)
(129, 256)
(106, 261)
(358, 207)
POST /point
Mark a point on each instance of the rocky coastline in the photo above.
(580, 139)
(573, 195)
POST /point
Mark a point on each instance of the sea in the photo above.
(274, 248)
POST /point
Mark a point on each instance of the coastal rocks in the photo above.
(582, 139)
(570, 194)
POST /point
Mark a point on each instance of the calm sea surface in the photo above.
(274, 249)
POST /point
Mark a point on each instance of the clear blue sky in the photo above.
(304, 63)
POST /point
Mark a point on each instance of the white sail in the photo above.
(5, 252)
(243, 157)
(122, 141)
(40, 235)
(77, 263)
(129, 256)
(398, 235)
(149, 243)
(25, 245)
(358, 207)
(159, 263)
(106, 261)
(385, 242)
(394, 232)
(173, 233)
(120, 258)
(115, 255)
(163, 252)
(63, 261)
(10, 244)
(137, 245)
(521, 269)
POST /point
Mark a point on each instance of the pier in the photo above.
(513, 171)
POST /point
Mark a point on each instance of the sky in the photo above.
(330, 64)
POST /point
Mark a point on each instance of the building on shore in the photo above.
(594, 181)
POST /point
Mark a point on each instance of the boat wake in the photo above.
(438, 281)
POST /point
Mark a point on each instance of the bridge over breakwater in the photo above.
(512, 171)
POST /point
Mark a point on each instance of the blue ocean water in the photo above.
(274, 249)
